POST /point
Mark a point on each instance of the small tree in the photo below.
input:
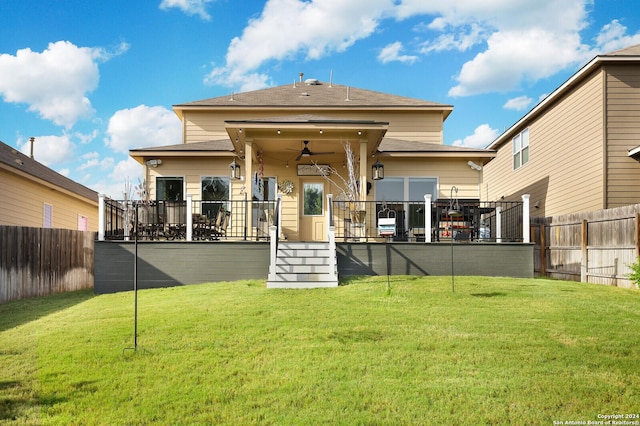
(350, 190)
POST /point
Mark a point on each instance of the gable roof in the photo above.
(314, 94)
(629, 54)
(15, 161)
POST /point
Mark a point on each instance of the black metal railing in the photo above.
(167, 220)
(499, 221)
(474, 222)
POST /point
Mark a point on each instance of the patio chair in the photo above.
(219, 228)
(264, 222)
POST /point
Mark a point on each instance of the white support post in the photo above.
(279, 204)
(526, 225)
(189, 224)
(333, 269)
(273, 230)
(101, 218)
(427, 218)
(498, 224)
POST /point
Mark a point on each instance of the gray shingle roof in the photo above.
(397, 145)
(304, 95)
(627, 51)
(16, 160)
(219, 145)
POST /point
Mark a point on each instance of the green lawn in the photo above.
(497, 351)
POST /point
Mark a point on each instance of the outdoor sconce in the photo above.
(234, 170)
(377, 171)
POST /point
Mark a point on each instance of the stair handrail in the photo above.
(274, 236)
(331, 231)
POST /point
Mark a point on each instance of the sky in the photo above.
(90, 80)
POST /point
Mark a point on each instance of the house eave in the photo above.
(556, 94)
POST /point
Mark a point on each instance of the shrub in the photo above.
(634, 275)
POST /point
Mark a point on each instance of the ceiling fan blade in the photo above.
(322, 153)
(299, 157)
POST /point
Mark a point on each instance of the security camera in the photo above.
(474, 166)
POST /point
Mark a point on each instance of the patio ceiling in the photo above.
(284, 136)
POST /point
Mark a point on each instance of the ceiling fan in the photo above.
(306, 152)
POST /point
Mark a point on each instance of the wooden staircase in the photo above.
(303, 265)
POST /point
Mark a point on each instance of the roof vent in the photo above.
(304, 94)
(312, 81)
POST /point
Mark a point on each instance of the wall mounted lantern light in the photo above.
(234, 170)
(377, 170)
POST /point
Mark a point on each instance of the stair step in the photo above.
(303, 269)
(300, 252)
(301, 284)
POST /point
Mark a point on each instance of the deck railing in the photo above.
(500, 221)
(168, 220)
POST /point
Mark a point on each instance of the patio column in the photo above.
(427, 218)
(363, 169)
(248, 183)
(101, 219)
(526, 226)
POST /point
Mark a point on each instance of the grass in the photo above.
(497, 351)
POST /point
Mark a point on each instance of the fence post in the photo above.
(498, 224)
(189, 217)
(543, 249)
(427, 218)
(101, 220)
(637, 235)
(584, 262)
(526, 225)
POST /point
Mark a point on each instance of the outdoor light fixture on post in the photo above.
(234, 169)
(454, 211)
(377, 170)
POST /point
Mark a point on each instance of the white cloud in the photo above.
(516, 43)
(49, 150)
(54, 83)
(190, 7)
(290, 27)
(124, 171)
(518, 104)
(514, 56)
(481, 137)
(391, 53)
(142, 127)
(613, 36)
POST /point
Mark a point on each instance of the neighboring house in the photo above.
(273, 139)
(36, 196)
(577, 150)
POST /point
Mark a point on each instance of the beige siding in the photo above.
(448, 172)
(23, 205)
(623, 130)
(417, 126)
(565, 172)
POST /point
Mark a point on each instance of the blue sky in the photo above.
(91, 80)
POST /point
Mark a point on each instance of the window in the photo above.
(313, 199)
(83, 223)
(521, 149)
(169, 188)
(214, 190)
(406, 194)
(405, 189)
(47, 216)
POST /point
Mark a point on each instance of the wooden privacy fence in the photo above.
(37, 261)
(594, 247)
